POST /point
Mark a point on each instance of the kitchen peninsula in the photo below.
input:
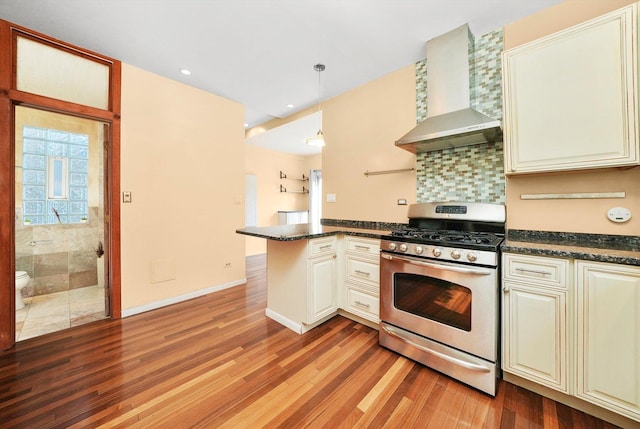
(315, 271)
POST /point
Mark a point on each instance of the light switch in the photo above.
(126, 196)
(331, 198)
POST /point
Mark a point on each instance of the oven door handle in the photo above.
(463, 270)
(450, 359)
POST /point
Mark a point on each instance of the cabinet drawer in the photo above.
(363, 246)
(536, 269)
(322, 246)
(362, 270)
(363, 304)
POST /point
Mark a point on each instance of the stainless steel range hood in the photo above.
(451, 121)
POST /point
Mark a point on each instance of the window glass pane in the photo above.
(58, 173)
(68, 77)
(55, 187)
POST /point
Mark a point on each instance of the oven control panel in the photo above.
(469, 256)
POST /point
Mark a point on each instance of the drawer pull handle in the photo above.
(358, 246)
(327, 246)
(363, 273)
(525, 270)
(362, 304)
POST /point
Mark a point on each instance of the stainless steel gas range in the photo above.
(439, 282)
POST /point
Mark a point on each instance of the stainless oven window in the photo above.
(435, 299)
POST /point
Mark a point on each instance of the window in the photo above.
(55, 182)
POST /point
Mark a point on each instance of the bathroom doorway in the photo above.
(60, 218)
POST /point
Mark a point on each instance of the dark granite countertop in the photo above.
(590, 247)
(306, 230)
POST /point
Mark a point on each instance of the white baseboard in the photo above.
(176, 299)
(288, 323)
(298, 328)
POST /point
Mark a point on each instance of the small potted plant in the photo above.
(83, 219)
(27, 222)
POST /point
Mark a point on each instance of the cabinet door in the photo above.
(570, 98)
(535, 334)
(322, 287)
(608, 336)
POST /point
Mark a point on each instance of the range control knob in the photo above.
(392, 246)
(403, 247)
(472, 257)
(419, 250)
(436, 252)
(455, 254)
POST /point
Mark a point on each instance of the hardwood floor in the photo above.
(217, 361)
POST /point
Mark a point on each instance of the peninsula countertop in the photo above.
(305, 231)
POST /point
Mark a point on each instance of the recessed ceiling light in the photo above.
(246, 125)
(290, 106)
(185, 72)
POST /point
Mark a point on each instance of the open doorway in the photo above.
(75, 83)
(59, 228)
(315, 197)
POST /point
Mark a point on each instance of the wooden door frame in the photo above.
(10, 97)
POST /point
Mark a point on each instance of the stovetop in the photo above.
(449, 238)
(460, 232)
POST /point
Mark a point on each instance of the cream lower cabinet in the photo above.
(608, 336)
(362, 277)
(571, 98)
(302, 281)
(534, 320)
(321, 287)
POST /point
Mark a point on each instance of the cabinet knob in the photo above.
(505, 289)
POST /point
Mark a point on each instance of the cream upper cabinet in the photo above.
(571, 97)
(608, 336)
(535, 330)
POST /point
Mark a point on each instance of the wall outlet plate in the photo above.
(619, 214)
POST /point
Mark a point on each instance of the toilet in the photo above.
(22, 279)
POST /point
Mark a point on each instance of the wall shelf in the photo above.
(303, 179)
(583, 195)
(378, 173)
(284, 176)
(303, 191)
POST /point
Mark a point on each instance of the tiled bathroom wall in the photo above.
(59, 257)
(472, 173)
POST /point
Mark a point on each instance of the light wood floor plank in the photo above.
(217, 361)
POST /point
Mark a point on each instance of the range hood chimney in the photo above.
(451, 121)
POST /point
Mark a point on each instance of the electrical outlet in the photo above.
(227, 264)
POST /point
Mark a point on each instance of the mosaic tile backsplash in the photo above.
(471, 173)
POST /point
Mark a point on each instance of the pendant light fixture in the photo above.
(318, 139)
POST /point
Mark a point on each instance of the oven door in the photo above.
(452, 304)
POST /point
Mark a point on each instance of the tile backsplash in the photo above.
(471, 173)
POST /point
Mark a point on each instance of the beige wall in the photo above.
(266, 165)
(183, 161)
(585, 215)
(360, 128)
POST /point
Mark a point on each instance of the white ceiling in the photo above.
(291, 137)
(261, 52)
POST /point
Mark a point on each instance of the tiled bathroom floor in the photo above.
(60, 310)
